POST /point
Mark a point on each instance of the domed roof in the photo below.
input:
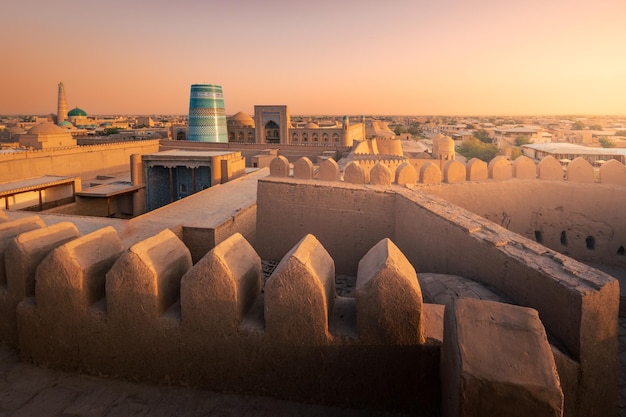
(241, 116)
(311, 125)
(241, 119)
(66, 124)
(446, 143)
(46, 128)
(76, 112)
(16, 129)
(106, 124)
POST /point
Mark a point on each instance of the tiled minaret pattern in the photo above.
(207, 115)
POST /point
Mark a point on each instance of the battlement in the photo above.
(428, 172)
(147, 312)
(439, 237)
(86, 303)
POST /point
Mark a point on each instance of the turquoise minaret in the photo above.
(207, 115)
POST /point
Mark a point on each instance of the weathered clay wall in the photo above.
(201, 240)
(560, 215)
(145, 312)
(347, 219)
(82, 161)
(578, 304)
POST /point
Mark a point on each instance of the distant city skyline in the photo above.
(449, 57)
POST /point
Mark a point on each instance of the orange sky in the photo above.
(324, 57)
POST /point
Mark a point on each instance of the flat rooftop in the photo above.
(184, 153)
(110, 189)
(33, 184)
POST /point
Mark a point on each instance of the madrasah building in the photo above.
(273, 125)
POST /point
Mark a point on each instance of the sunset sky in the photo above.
(472, 57)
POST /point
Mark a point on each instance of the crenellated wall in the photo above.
(147, 313)
(165, 310)
(577, 304)
(554, 206)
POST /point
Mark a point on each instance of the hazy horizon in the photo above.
(452, 57)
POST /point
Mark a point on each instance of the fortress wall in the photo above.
(160, 319)
(291, 152)
(577, 304)
(201, 240)
(348, 220)
(83, 161)
(561, 215)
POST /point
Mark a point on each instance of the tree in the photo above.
(595, 127)
(398, 130)
(415, 130)
(475, 148)
(521, 140)
(578, 125)
(483, 136)
(620, 133)
(606, 143)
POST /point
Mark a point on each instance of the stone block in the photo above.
(406, 174)
(328, 170)
(219, 290)
(380, 174)
(430, 173)
(72, 276)
(500, 168)
(8, 230)
(453, 172)
(388, 298)
(550, 169)
(496, 361)
(613, 172)
(524, 168)
(580, 170)
(354, 173)
(303, 169)
(476, 170)
(299, 295)
(279, 167)
(145, 280)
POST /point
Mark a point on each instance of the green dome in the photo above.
(65, 123)
(76, 112)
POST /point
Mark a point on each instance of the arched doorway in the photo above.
(272, 132)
